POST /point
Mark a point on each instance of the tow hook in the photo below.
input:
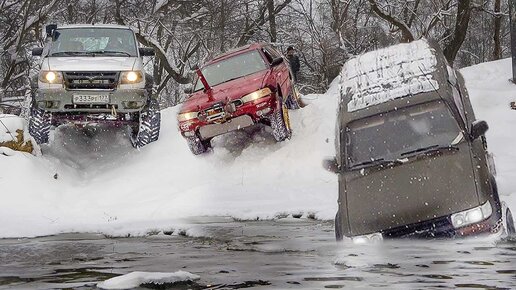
(230, 108)
(113, 111)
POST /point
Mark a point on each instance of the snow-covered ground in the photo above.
(491, 93)
(94, 181)
(104, 185)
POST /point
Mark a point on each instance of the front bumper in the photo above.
(120, 101)
(244, 116)
(234, 124)
(443, 228)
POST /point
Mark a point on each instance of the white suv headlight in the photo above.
(131, 77)
(472, 216)
(50, 77)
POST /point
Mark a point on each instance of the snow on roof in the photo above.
(135, 279)
(390, 73)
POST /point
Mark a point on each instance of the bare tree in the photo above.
(497, 47)
(21, 22)
(325, 32)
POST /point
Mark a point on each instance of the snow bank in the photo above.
(390, 73)
(9, 124)
(491, 93)
(135, 279)
(14, 135)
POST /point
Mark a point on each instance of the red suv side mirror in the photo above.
(277, 61)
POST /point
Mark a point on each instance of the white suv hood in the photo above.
(90, 63)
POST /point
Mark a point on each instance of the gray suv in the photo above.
(93, 74)
(411, 157)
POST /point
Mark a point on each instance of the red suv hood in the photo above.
(231, 90)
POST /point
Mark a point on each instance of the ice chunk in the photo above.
(135, 279)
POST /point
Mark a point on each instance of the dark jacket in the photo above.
(294, 63)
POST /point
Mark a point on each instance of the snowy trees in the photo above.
(20, 27)
(324, 32)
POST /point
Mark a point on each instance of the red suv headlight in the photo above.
(187, 116)
(256, 95)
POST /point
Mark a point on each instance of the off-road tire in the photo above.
(197, 146)
(280, 124)
(509, 223)
(149, 125)
(39, 125)
(292, 101)
(338, 228)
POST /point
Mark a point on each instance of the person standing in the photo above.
(293, 59)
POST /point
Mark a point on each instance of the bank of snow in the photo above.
(491, 93)
(14, 135)
(94, 181)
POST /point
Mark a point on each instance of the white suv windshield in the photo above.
(93, 41)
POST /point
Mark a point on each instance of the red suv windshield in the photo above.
(232, 68)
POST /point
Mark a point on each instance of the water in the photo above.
(281, 254)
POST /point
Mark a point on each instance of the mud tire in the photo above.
(280, 124)
(509, 223)
(292, 102)
(197, 146)
(338, 228)
(149, 125)
(39, 125)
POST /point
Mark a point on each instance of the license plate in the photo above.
(90, 99)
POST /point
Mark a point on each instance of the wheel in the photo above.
(292, 102)
(197, 146)
(149, 125)
(280, 123)
(338, 228)
(509, 223)
(39, 125)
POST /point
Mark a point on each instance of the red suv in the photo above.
(238, 89)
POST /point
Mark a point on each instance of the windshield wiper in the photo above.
(430, 149)
(67, 53)
(232, 79)
(109, 52)
(377, 162)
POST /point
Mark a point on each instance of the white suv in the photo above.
(94, 74)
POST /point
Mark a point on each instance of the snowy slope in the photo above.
(104, 185)
(491, 93)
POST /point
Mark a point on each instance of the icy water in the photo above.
(286, 253)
